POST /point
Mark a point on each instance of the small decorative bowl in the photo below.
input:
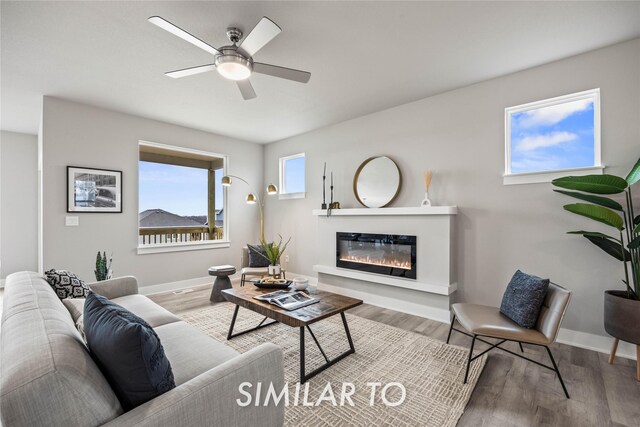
(300, 283)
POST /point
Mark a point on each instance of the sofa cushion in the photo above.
(128, 351)
(143, 307)
(47, 375)
(139, 305)
(66, 284)
(190, 351)
(523, 298)
(75, 307)
(257, 256)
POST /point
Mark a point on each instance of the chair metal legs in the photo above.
(451, 328)
(555, 368)
(466, 374)
(497, 345)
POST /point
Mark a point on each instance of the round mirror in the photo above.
(377, 182)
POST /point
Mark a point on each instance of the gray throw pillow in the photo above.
(257, 256)
(523, 299)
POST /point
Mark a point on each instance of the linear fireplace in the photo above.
(388, 254)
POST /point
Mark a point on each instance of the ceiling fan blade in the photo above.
(282, 72)
(246, 89)
(190, 71)
(262, 33)
(177, 31)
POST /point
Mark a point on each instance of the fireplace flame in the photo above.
(384, 262)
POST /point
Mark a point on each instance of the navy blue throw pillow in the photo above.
(523, 299)
(127, 350)
(257, 256)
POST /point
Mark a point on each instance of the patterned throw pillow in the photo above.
(127, 350)
(67, 284)
(257, 256)
(523, 299)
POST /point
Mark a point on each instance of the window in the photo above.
(292, 172)
(181, 202)
(548, 139)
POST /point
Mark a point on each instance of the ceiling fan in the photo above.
(235, 62)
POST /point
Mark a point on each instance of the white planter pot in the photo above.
(274, 269)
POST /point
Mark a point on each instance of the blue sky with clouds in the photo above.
(294, 175)
(555, 137)
(177, 189)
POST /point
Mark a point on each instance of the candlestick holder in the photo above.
(324, 187)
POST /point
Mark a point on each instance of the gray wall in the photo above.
(18, 202)
(460, 135)
(80, 135)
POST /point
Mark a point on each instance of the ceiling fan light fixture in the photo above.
(233, 67)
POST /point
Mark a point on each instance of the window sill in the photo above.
(285, 196)
(548, 176)
(180, 247)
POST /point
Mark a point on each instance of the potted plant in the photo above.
(273, 251)
(103, 268)
(621, 307)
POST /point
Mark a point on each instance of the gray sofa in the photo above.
(48, 377)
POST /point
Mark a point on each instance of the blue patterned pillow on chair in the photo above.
(523, 299)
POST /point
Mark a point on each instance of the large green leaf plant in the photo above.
(626, 247)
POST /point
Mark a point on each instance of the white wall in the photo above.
(460, 135)
(81, 135)
(18, 202)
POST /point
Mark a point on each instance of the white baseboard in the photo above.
(181, 284)
(599, 343)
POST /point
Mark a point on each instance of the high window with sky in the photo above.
(554, 135)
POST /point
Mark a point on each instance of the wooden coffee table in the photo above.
(330, 304)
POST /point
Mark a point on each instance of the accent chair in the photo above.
(481, 321)
(247, 272)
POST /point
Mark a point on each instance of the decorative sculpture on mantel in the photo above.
(332, 204)
(324, 187)
(427, 183)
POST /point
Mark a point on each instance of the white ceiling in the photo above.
(363, 56)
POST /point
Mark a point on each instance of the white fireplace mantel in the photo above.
(433, 210)
(433, 288)
(429, 294)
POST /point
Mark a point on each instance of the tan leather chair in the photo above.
(486, 321)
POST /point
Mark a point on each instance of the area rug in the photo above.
(431, 371)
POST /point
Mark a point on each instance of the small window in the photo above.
(292, 171)
(180, 199)
(555, 137)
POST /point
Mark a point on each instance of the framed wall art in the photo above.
(94, 190)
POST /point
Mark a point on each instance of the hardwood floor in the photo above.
(512, 391)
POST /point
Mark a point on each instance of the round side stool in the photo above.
(222, 273)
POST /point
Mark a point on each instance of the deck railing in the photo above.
(161, 235)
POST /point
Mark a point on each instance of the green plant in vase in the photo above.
(272, 252)
(103, 267)
(622, 308)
